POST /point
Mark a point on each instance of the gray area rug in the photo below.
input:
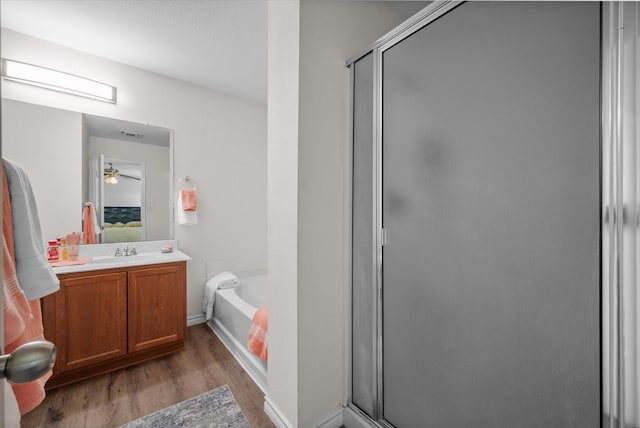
(216, 408)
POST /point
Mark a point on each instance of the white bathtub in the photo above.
(233, 312)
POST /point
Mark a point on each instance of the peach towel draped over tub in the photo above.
(257, 342)
(22, 318)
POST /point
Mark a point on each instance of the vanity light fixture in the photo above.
(57, 80)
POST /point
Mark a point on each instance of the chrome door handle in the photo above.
(28, 362)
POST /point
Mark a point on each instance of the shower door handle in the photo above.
(383, 237)
(629, 216)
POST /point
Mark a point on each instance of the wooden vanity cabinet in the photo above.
(91, 319)
(108, 319)
(156, 307)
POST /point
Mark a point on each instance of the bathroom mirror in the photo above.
(69, 155)
(129, 179)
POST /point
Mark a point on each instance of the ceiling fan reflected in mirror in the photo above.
(111, 174)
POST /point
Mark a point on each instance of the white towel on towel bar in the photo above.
(222, 280)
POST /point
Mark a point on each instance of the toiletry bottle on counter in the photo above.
(53, 255)
(64, 253)
(73, 245)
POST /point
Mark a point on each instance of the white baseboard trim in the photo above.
(275, 414)
(334, 420)
(195, 319)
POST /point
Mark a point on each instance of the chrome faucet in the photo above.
(133, 252)
(118, 252)
(126, 251)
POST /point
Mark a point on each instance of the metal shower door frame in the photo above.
(429, 14)
(611, 106)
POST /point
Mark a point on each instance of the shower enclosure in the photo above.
(486, 246)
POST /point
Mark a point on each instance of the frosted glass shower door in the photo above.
(363, 310)
(491, 203)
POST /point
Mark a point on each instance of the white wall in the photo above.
(283, 27)
(219, 140)
(43, 153)
(329, 33)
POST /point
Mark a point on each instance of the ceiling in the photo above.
(115, 129)
(217, 44)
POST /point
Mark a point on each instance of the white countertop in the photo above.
(99, 260)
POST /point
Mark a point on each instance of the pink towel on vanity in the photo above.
(257, 342)
(78, 261)
(189, 199)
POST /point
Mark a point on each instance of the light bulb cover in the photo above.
(60, 81)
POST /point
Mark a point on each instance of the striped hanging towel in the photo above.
(22, 318)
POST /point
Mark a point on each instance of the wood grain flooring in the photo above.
(113, 399)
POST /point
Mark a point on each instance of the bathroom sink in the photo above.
(138, 259)
(123, 259)
(103, 261)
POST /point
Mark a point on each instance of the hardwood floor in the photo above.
(116, 398)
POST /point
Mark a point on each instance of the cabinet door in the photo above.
(157, 310)
(91, 319)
